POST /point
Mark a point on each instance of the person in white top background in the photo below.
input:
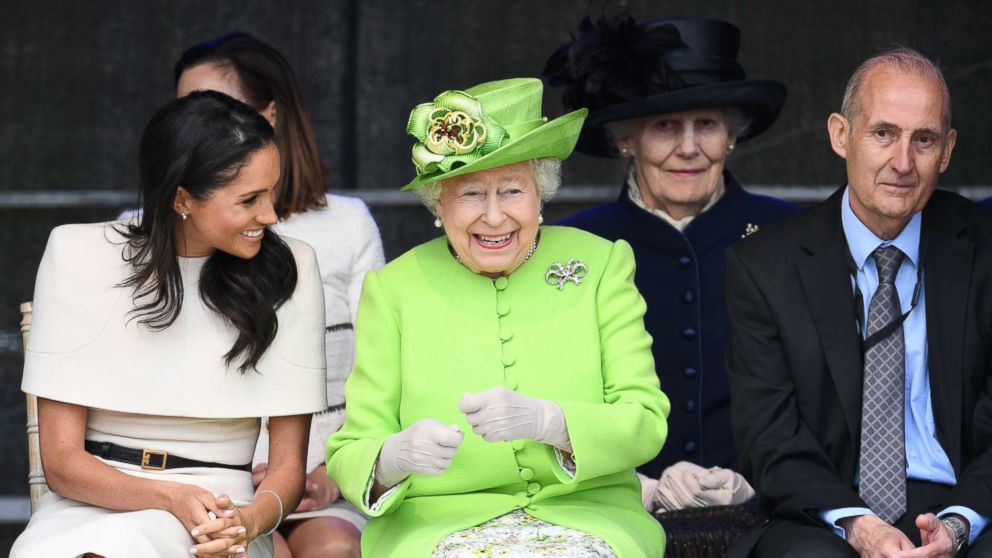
(346, 241)
(157, 345)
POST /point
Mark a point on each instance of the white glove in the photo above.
(501, 415)
(649, 491)
(686, 485)
(426, 448)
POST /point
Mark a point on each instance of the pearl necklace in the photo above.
(530, 252)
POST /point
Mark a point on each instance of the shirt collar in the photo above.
(863, 242)
(634, 193)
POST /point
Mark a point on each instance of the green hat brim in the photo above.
(556, 139)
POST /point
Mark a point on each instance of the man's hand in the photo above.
(874, 538)
(938, 539)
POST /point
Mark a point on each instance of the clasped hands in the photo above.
(215, 523)
(498, 415)
(687, 485)
(874, 538)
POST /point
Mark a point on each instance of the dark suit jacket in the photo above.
(680, 276)
(795, 365)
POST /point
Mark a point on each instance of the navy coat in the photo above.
(681, 279)
(987, 202)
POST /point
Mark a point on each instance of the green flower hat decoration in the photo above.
(487, 126)
(451, 130)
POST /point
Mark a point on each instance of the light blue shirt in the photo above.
(925, 458)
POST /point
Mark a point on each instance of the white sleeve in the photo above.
(368, 256)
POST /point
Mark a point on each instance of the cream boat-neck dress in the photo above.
(169, 390)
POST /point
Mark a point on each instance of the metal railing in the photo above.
(22, 199)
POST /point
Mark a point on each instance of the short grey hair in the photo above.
(737, 125)
(546, 172)
(905, 60)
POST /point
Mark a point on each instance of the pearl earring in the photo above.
(437, 223)
(730, 148)
(184, 215)
(540, 219)
(625, 152)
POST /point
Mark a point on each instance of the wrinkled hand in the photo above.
(426, 448)
(938, 539)
(319, 491)
(501, 415)
(687, 485)
(874, 538)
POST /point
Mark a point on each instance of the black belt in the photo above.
(151, 459)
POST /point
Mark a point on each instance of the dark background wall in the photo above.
(78, 81)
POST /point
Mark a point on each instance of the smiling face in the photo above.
(233, 218)
(896, 148)
(678, 158)
(490, 217)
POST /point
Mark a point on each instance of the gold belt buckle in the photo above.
(146, 459)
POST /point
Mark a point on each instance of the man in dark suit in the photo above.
(859, 354)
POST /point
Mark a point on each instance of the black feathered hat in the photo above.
(621, 68)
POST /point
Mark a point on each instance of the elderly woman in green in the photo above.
(503, 388)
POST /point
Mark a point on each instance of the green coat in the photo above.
(429, 330)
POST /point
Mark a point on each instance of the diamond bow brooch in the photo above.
(558, 274)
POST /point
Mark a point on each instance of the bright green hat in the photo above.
(490, 125)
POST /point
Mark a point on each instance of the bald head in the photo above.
(902, 60)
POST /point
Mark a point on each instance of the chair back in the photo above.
(36, 474)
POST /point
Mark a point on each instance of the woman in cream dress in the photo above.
(157, 345)
(347, 245)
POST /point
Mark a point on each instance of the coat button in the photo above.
(508, 360)
(517, 445)
(501, 283)
(505, 334)
(526, 473)
(684, 261)
(688, 333)
(689, 372)
(510, 383)
(687, 297)
(522, 500)
(503, 309)
(690, 447)
(533, 488)
(690, 406)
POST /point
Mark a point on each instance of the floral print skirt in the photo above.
(519, 535)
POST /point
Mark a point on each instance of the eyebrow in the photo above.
(253, 193)
(884, 124)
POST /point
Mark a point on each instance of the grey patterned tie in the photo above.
(883, 446)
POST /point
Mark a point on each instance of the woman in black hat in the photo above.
(670, 98)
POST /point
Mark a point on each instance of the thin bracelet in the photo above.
(278, 499)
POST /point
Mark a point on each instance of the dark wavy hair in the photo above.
(201, 142)
(265, 76)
